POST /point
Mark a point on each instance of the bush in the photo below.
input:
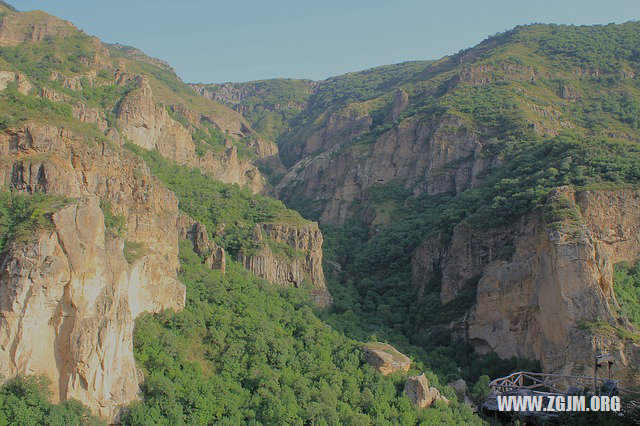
(480, 390)
(25, 401)
(626, 284)
(21, 216)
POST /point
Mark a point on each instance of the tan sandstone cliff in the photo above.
(69, 297)
(288, 255)
(539, 301)
(146, 123)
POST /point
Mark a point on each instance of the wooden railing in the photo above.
(544, 383)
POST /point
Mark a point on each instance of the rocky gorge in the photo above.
(473, 211)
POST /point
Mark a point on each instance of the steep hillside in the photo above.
(439, 173)
(437, 126)
(128, 96)
(269, 105)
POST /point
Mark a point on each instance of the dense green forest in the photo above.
(244, 350)
(25, 401)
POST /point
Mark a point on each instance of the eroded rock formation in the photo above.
(147, 124)
(547, 294)
(214, 256)
(289, 254)
(69, 297)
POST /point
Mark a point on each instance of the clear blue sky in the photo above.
(240, 40)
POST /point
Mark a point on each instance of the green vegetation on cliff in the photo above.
(626, 283)
(25, 401)
(21, 216)
(229, 212)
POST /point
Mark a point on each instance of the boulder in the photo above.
(385, 358)
(420, 393)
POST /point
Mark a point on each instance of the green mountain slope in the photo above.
(389, 157)
(246, 351)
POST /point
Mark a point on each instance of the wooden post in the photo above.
(595, 375)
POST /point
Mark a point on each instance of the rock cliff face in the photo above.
(538, 301)
(288, 255)
(147, 124)
(213, 255)
(459, 262)
(69, 297)
(341, 126)
(416, 153)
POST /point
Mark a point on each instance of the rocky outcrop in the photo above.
(400, 103)
(551, 291)
(213, 255)
(262, 147)
(141, 56)
(385, 358)
(89, 114)
(482, 74)
(427, 156)
(34, 26)
(147, 124)
(289, 254)
(69, 297)
(340, 127)
(420, 393)
(21, 81)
